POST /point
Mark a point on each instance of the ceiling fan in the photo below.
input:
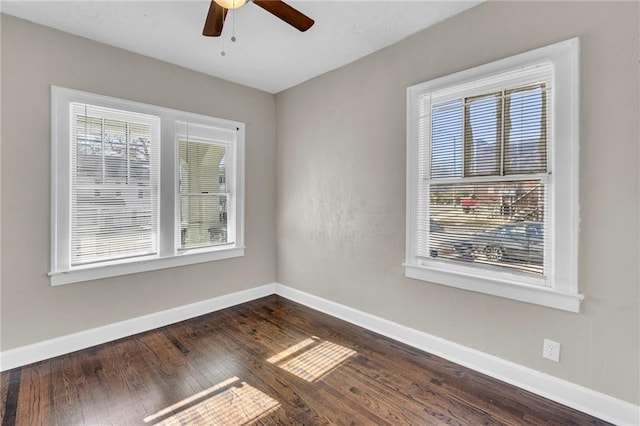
(219, 8)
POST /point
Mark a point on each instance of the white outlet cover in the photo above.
(551, 350)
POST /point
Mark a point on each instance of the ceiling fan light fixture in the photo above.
(218, 12)
(231, 4)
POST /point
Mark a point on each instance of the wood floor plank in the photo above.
(4, 390)
(33, 397)
(13, 393)
(265, 362)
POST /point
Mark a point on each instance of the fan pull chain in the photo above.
(233, 26)
(233, 29)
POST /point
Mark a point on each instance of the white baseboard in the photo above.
(570, 394)
(73, 342)
(575, 396)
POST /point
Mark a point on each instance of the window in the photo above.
(114, 184)
(203, 192)
(137, 187)
(492, 200)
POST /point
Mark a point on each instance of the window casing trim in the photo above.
(168, 255)
(535, 294)
(143, 264)
(562, 264)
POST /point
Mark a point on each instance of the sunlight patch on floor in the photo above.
(312, 358)
(228, 402)
(292, 350)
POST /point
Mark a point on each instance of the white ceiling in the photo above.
(268, 54)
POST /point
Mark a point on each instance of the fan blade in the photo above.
(215, 20)
(287, 13)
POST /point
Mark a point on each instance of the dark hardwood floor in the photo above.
(270, 361)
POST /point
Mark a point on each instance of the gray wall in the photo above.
(35, 57)
(341, 190)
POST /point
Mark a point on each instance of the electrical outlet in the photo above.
(551, 350)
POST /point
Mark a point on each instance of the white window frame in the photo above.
(559, 289)
(168, 255)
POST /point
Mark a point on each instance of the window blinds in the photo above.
(114, 184)
(484, 170)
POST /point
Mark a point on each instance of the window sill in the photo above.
(141, 265)
(535, 294)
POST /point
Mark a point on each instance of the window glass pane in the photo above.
(525, 131)
(482, 145)
(446, 144)
(203, 220)
(88, 139)
(139, 153)
(125, 157)
(110, 224)
(203, 189)
(497, 225)
(115, 151)
(202, 167)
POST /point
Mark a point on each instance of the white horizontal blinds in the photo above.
(205, 190)
(114, 184)
(482, 134)
(525, 139)
(447, 144)
(484, 172)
